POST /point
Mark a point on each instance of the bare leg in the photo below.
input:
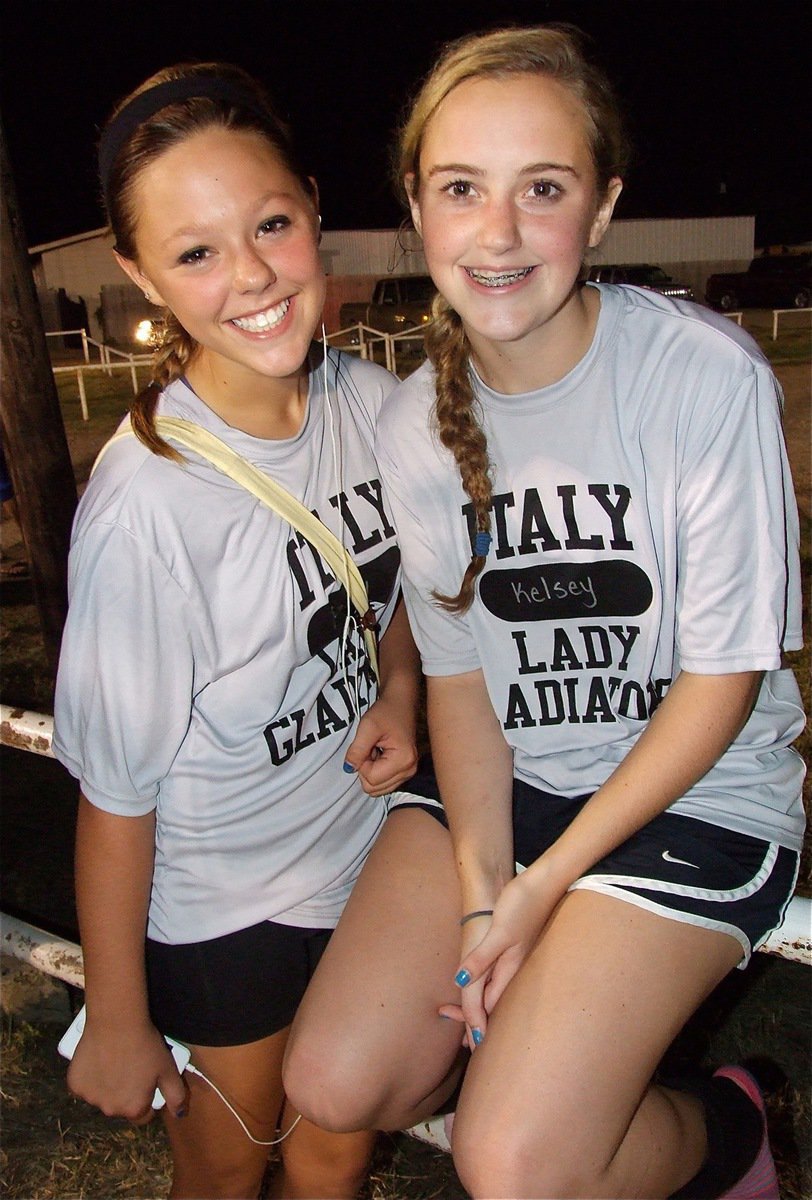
(213, 1157)
(558, 1100)
(331, 1166)
(368, 1048)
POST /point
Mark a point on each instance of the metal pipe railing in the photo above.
(33, 731)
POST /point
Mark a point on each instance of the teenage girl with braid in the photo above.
(599, 543)
(214, 697)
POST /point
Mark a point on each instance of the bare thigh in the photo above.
(570, 1050)
(368, 1047)
(212, 1155)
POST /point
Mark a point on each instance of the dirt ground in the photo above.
(56, 1147)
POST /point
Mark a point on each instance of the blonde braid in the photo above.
(460, 432)
(169, 362)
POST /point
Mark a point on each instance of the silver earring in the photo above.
(147, 297)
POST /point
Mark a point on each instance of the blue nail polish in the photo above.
(349, 768)
(462, 978)
(478, 1036)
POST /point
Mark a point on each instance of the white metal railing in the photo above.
(128, 362)
(777, 312)
(366, 339)
(79, 369)
(33, 731)
(360, 338)
(82, 333)
(735, 316)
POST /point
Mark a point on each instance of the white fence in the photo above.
(124, 362)
(358, 339)
(366, 341)
(778, 312)
(33, 732)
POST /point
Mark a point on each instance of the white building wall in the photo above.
(372, 252)
(683, 240)
(80, 265)
(689, 249)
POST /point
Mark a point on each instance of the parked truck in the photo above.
(399, 302)
(771, 281)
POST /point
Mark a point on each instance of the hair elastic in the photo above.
(480, 912)
(482, 544)
(146, 104)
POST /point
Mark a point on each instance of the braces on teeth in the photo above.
(500, 280)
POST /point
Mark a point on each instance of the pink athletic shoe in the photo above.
(761, 1181)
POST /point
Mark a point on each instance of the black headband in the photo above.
(146, 104)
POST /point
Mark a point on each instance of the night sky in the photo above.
(716, 92)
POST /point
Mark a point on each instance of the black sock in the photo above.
(735, 1130)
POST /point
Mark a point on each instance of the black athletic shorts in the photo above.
(676, 866)
(235, 989)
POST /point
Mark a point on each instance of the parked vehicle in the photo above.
(771, 281)
(640, 275)
(399, 302)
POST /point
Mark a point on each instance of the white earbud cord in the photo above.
(194, 1071)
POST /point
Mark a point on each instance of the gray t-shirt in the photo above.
(201, 671)
(643, 522)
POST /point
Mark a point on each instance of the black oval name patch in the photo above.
(560, 591)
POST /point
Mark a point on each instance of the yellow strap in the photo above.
(277, 498)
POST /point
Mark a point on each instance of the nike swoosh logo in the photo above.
(670, 858)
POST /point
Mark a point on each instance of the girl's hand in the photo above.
(119, 1072)
(384, 750)
(474, 1016)
(520, 914)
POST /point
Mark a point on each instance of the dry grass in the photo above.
(57, 1148)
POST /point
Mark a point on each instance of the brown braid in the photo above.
(460, 432)
(555, 51)
(172, 356)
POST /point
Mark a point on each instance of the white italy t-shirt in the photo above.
(201, 672)
(643, 522)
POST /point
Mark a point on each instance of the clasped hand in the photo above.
(119, 1073)
(384, 751)
(493, 950)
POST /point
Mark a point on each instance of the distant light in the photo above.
(144, 332)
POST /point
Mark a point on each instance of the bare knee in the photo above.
(327, 1086)
(345, 1088)
(315, 1163)
(235, 1181)
(518, 1160)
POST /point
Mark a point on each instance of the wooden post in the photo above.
(33, 433)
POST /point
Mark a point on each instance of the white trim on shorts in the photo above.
(397, 800)
(615, 885)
